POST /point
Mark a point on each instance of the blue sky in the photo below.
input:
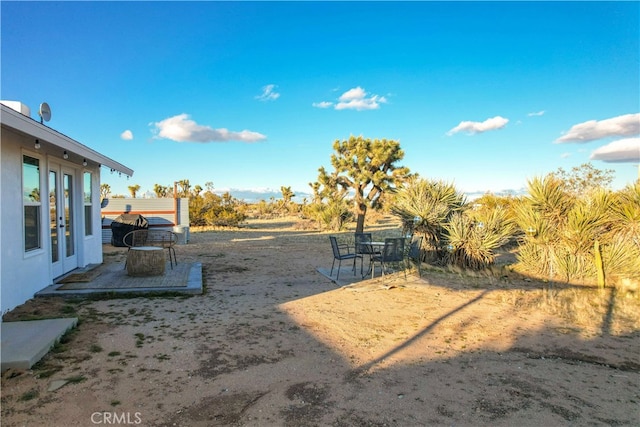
(252, 96)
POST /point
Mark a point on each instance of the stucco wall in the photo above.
(23, 274)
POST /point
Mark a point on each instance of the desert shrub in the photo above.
(263, 209)
(425, 206)
(213, 210)
(474, 236)
(621, 258)
(331, 214)
(564, 234)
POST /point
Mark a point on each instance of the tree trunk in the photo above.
(360, 223)
(361, 212)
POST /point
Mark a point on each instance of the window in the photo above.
(31, 202)
(88, 207)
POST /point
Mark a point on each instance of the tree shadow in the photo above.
(421, 333)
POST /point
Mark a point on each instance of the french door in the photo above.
(62, 219)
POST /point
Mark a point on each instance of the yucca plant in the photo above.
(533, 258)
(584, 234)
(474, 236)
(541, 216)
(585, 223)
(621, 255)
(579, 236)
(549, 197)
(626, 213)
(572, 265)
(428, 205)
(621, 258)
(331, 214)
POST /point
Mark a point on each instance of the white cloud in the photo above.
(127, 135)
(181, 129)
(354, 99)
(625, 125)
(353, 94)
(268, 93)
(565, 155)
(539, 113)
(620, 151)
(323, 104)
(472, 128)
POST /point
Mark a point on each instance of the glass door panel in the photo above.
(53, 215)
(67, 183)
(62, 219)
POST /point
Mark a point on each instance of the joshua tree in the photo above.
(287, 194)
(161, 190)
(105, 190)
(183, 188)
(133, 189)
(366, 166)
(197, 189)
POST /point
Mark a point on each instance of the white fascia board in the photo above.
(28, 126)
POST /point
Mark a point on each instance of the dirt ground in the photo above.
(272, 342)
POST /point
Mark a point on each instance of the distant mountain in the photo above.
(503, 193)
(255, 195)
(266, 194)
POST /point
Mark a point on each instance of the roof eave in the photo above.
(26, 125)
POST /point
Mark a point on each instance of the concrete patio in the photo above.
(112, 278)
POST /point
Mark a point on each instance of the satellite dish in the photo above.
(44, 112)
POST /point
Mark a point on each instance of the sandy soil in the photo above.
(273, 342)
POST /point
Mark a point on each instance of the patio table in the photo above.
(376, 248)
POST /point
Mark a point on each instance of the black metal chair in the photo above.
(342, 252)
(392, 253)
(363, 246)
(415, 254)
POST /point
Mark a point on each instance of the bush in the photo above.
(564, 234)
(474, 236)
(330, 215)
(213, 210)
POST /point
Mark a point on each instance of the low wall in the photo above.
(163, 213)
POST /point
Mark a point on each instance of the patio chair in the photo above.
(161, 238)
(415, 254)
(392, 254)
(363, 246)
(342, 252)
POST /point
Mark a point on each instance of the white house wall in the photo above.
(23, 274)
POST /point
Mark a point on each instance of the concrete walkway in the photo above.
(25, 343)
